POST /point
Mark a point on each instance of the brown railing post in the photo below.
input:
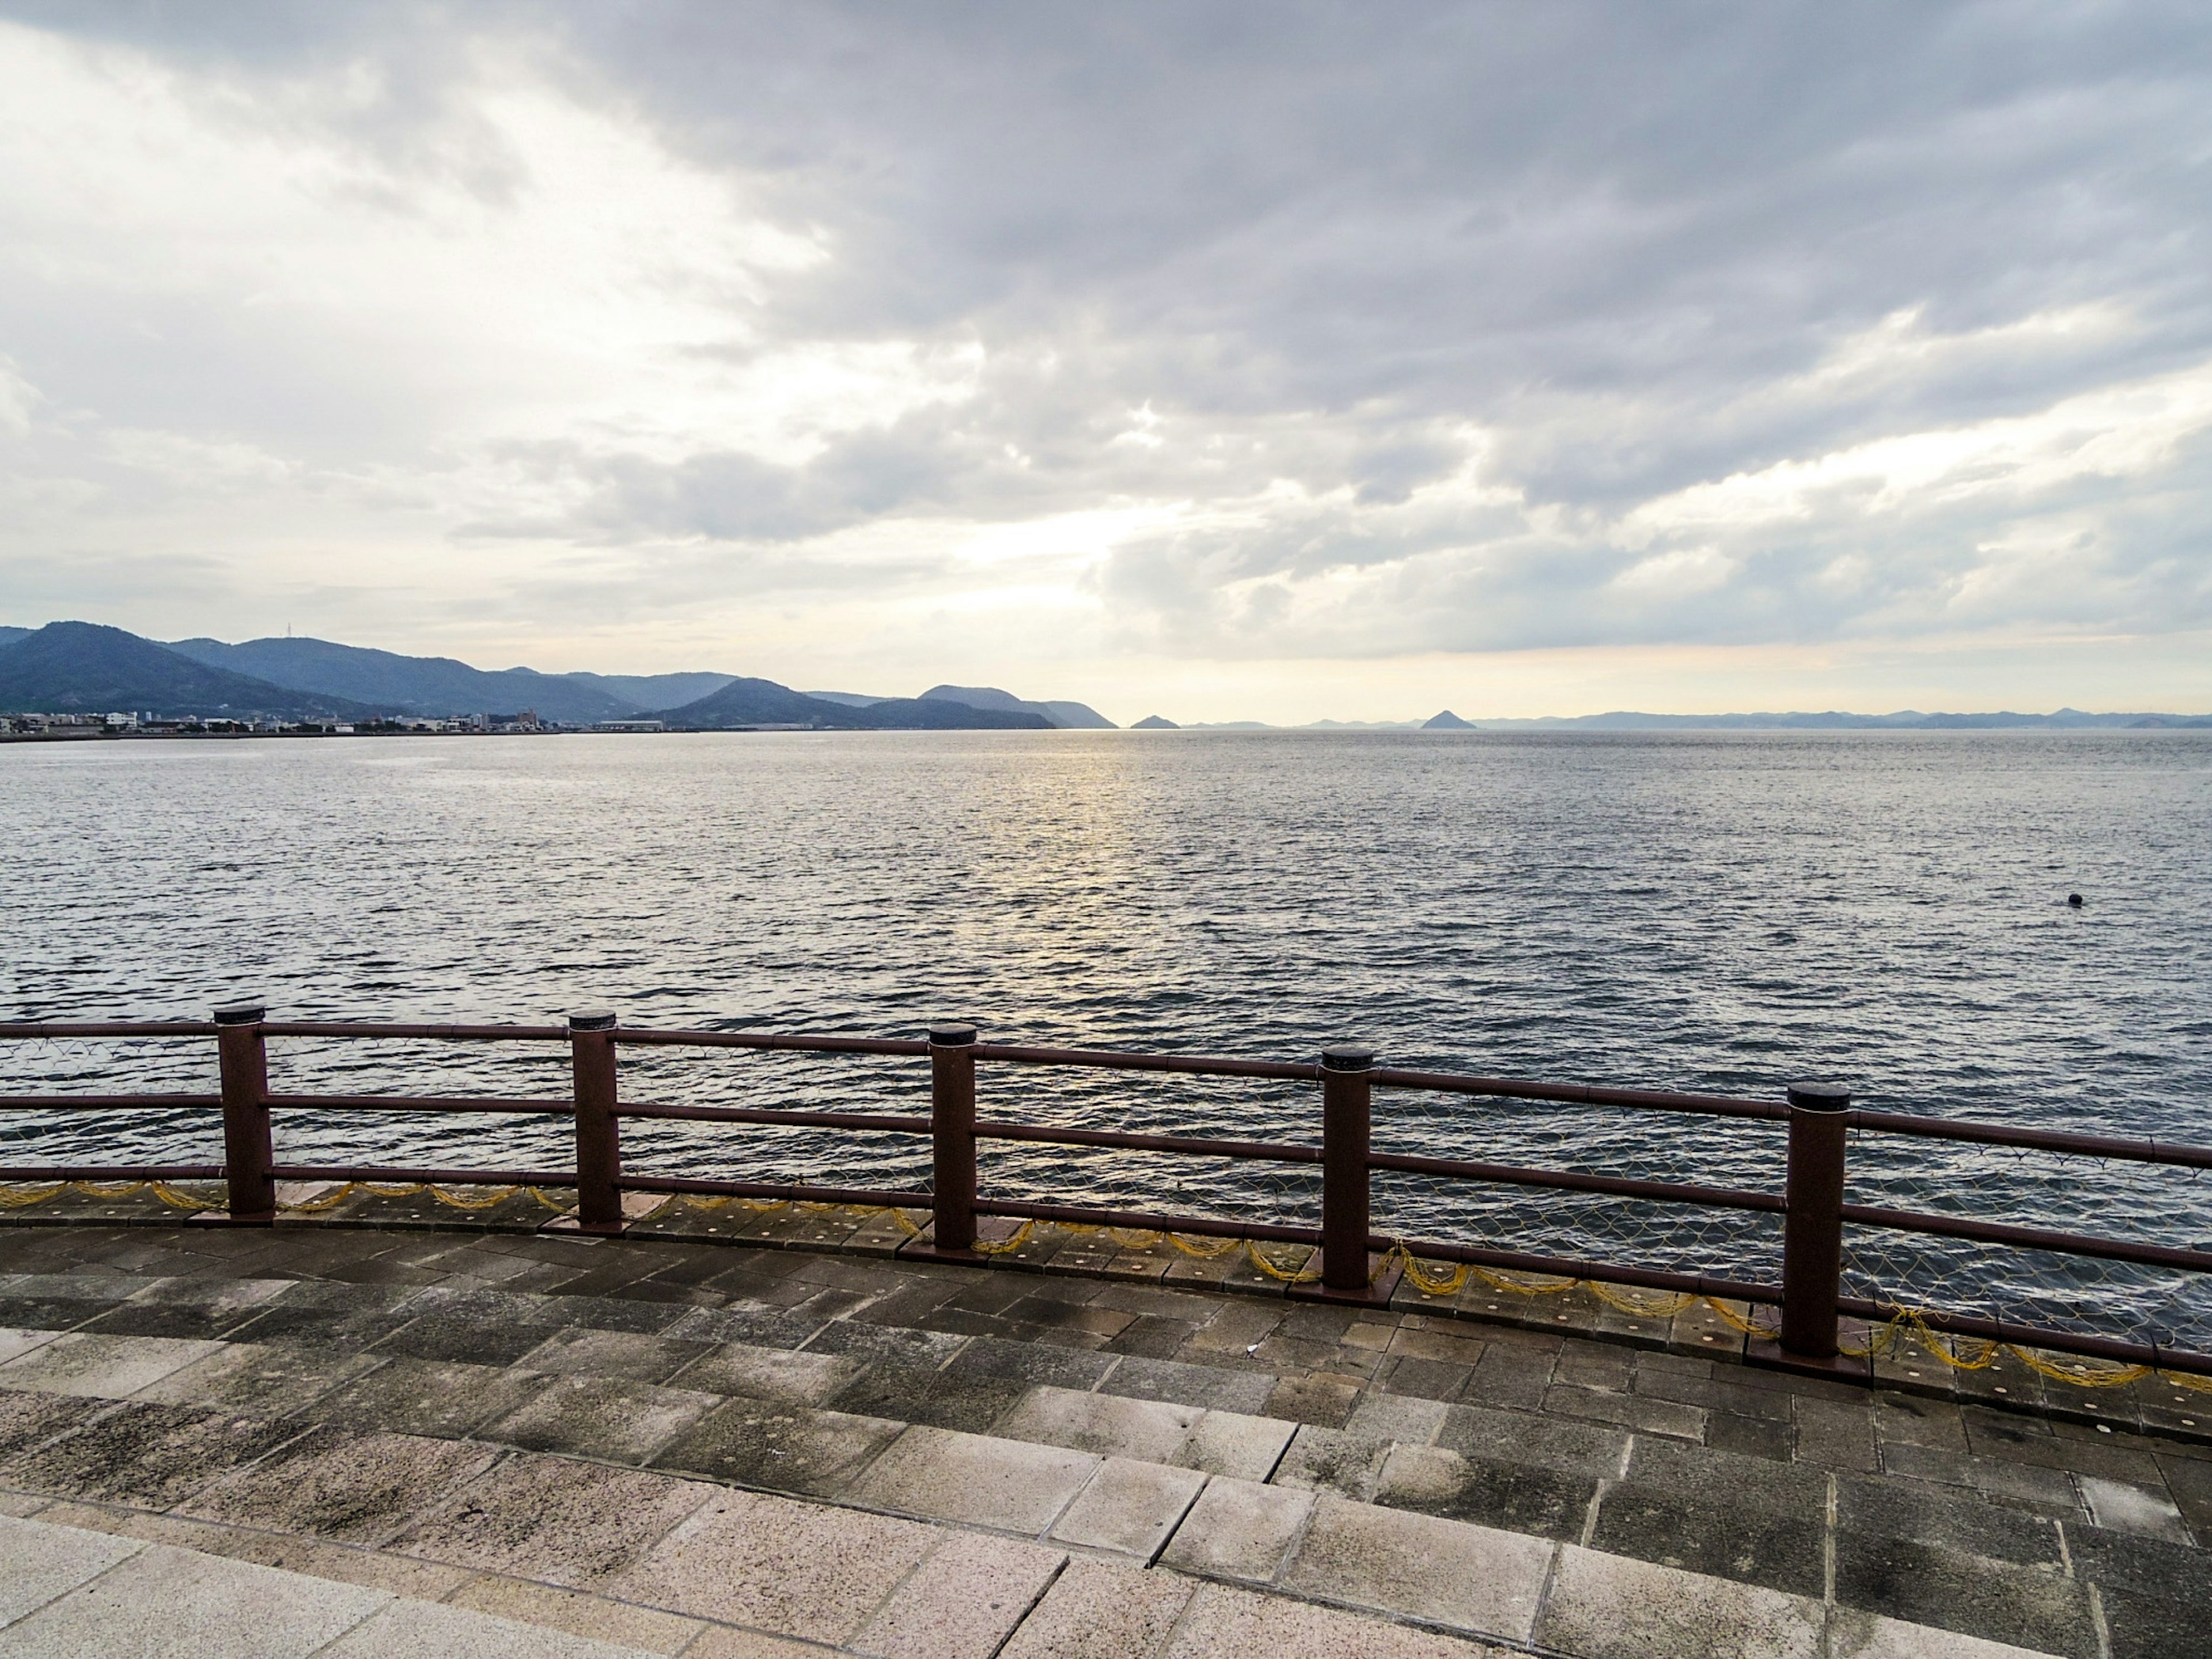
(1812, 1229)
(1345, 1095)
(247, 1155)
(953, 1133)
(598, 1130)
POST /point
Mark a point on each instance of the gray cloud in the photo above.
(1463, 328)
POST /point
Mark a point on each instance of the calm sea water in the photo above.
(1722, 912)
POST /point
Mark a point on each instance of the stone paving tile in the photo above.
(1184, 1384)
(764, 1326)
(790, 1568)
(1027, 1364)
(611, 1417)
(1467, 1578)
(164, 1601)
(1329, 1460)
(103, 1367)
(205, 1320)
(14, 1341)
(612, 1353)
(2189, 1482)
(461, 1339)
(344, 1564)
(1528, 1497)
(2043, 1487)
(603, 1619)
(1230, 1624)
(408, 1630)
(1727, 1517)
(295, 1322)
(2120, 1506)
(1108, 1424)
(1233, 1443)
(938, 1399)
(568, 1523)
(1637, 1412)
(1606, 1606)
(1518, 1436)
(51, 1313)
(424, 1396)
(1869, 1636)
(1128, 1508)
(1892, 1507)
(2157, 1597)
(257, 1380)
(778, 1446)
(43, 1562)
(28, 1419)
(151, 1456)
(334, 1484)
(778, 1374)
(882, 1345)
(965, 1600)
(1239, 1529)
(1099, 1610)
(1951, 1588)
(1325, 1399)
(970, 1479)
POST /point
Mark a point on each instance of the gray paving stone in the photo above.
(1630, 1411)
(1467, 1578)
(1181, 1384)
(1856, 1635)
(1609, 1607)
(2044, 1487)
(15, 1342)
(1127, 1508)
(352, 1488)
(462, 1339)
(758, 1373)
(411, 1629)
(427, 1397)
(1101, 1610)
(1222, 1623)
(163, 1602)
(582, 1349)
(937, 1398)
(104, 1367)
(1112, 1425)
(38, 1563)
(1525, 1497)
(1401, 1418)
(1754, 1521)
(760, 1327)
(1835, 1435)
(773, 1564)
(1027, 1364)
(1892, 1507)
(1233, 1443)
(974, 1479)
(1950, 1588)
(548, 1518)
(611, 1417)
(1332, 1461)
(257, 1380)
(1239, 1529)
(765, 1443)
(2120, 1506)
(2157, 1597)
(966, 1598)
(151, 1456)
(1527, 1437)
(882, 1345)
(28, 1419)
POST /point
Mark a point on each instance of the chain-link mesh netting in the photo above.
(2103, 1197)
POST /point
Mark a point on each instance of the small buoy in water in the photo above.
(2074, 899)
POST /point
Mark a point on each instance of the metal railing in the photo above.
(1814, 1120)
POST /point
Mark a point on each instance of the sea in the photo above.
(1721, 912)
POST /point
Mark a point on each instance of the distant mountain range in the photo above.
(76, 667)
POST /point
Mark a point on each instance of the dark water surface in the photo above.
(1717, 912)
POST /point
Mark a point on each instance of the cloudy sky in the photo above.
(1228, 360)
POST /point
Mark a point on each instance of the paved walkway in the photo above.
(675, 1445)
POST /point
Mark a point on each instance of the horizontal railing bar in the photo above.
(1050, 1134)
(2033, 1336)
(1726, 1198)
(418, 1103)
(298, 1028)
(105, 1028)
(1191, 1064)
(797, 1192)
(827, 1045)
(112, 1172)
(428, 1177)
(1146, 1221)
(905, 1125)
(109, 1102)
(2030, 1239)
(2047, 1140)
(1576, 1094)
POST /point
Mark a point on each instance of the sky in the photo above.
(1253, 361)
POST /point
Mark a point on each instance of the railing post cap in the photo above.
(1348, 1057)
(1819, 1097)
(242, 1013)
(591, 1019)
(952, 1034)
